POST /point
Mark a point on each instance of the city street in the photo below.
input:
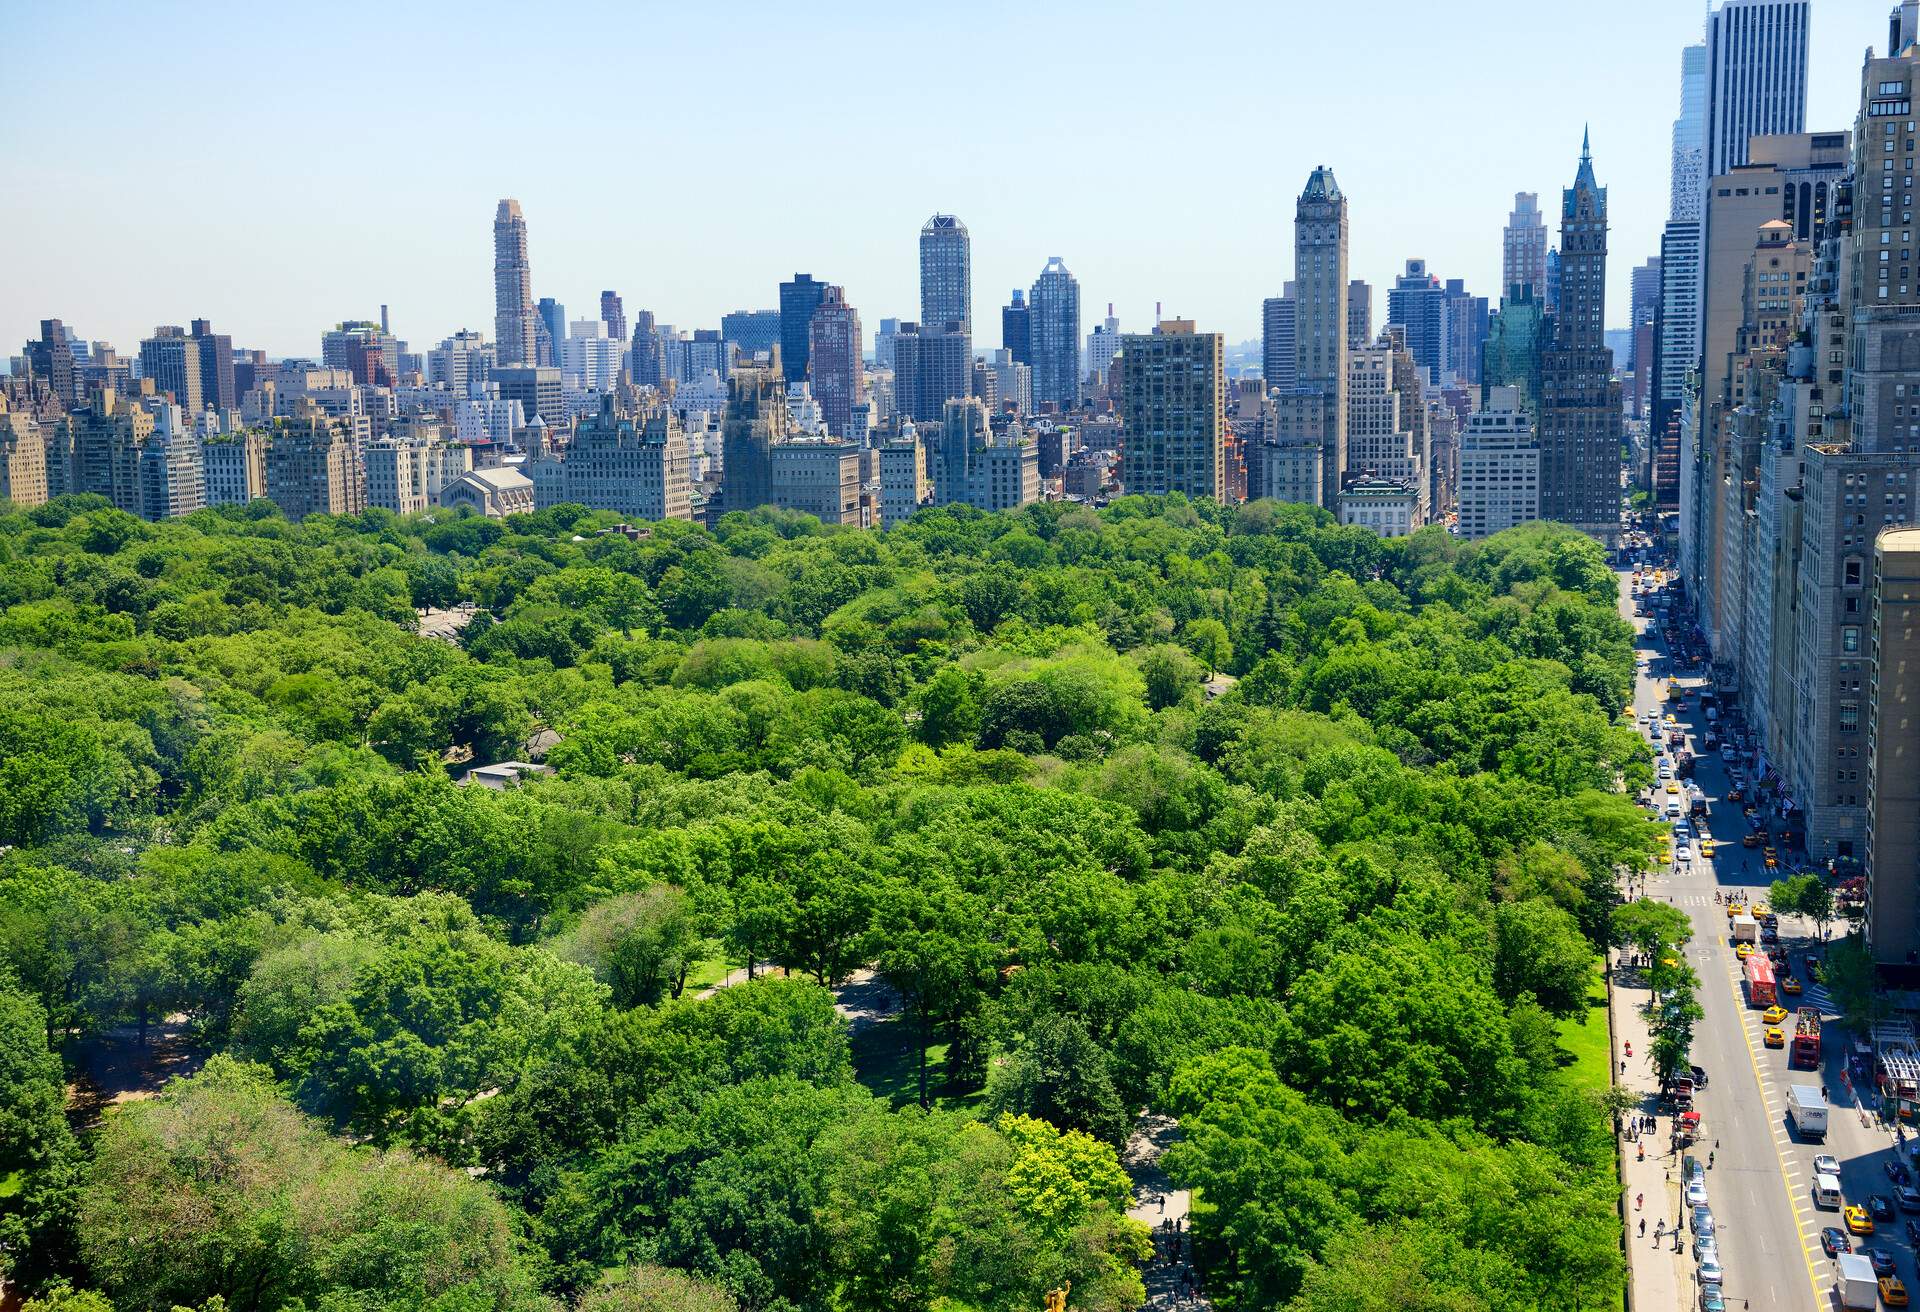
(1760, 1185)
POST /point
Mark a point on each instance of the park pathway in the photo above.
(1172, 1282)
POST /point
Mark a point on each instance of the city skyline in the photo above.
(424, 247)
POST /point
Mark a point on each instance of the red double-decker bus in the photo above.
(1806, 1040)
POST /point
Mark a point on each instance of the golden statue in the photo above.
(1057, 1298)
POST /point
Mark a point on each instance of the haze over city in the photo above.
(279, 169)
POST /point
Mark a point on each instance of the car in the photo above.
(1773, 863)
(1908, 1197)
(1743, 951)
(1702, 1220)
(1750, 840)
(1826, 1164)
(1897, 1171)
(1705, 1249)
(1707, 849)
(1683, 855)
(1696, 1194)
(1735, 909)
(1711, 1299)
(1892, 1292)
(1835, 1241)
(1672, 787)
(1792, 987)
(1761, 911)
(1883, 1264)
(1880, 1207)
(1709, 1269)
(1774, 1015)
(1734, 794)
(1857, 1219)
(1773, 1038)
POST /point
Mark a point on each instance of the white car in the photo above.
(1683, 856)
(1673, 806)
(1697, 1193)
(1826, 1164)
(1710, 1272)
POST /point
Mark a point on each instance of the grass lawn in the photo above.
(1586, 1054)
(707, 973)
(883, 1060)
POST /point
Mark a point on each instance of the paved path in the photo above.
(864, 998)
(1171, 1279)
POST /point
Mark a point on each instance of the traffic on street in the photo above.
(1782, 1186)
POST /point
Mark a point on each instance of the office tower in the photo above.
(799, 298)
(647, 361)
(834, 349)
(550, 330)
(751, 332)
(756, 419)
(23, 461)
(1688, 174)
(1054, 318)
(1517, 340)
(1359, 313)
(1643, 303)
(818, 477)
(1173, 411)
(1417, 304)
(172, 360)
(1016, 328)
(1386, 423)
(591, 360)
(235, 468)
(1893, 750)
(1756, 77)
(1580, 419)
(1278, 363)
(613, 314)
(51, 357)
(930, 369)
(513, 319)
(217, 389)
(168, 468)
(883, 343)
(638, 466)
(311, 465)
(1322, 314)
(460, 362)
(1103, 343)
(904, 482)
(1677, 323)
(946, 273)
(1523, 245)
(1499, 467)
(536, 387)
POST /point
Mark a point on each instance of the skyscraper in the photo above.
(1359, 313)
(1016, 328)
(834, 352)
(1523, 246)
(1756, 77)
(1580, 415)
(514, 331)
(550, 330)
(946, 274)
(648, 367)
(614, 315)
(1055, 318)
(172, 360)
(1321, 314)
(1103, 343)
(1173, 411)
(1688, 170)
(756, 417)
(1677, 324)
(799, 298)
(1893, 779)
(751, 332)
(216, 367)
(1278, 367)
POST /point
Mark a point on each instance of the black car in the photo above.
(1834, 1240)
(1879, 1207)
(1908, 1197)
(1883, 1264)
(1897, 1172)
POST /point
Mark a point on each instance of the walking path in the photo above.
(864, 998)
(1659, 1270)
(1172, 1282)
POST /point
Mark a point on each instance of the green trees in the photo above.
(39, 1160)
(1804, 895)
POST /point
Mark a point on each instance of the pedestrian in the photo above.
(1637, 1200)
(1643, 1227)
(1710, 1158)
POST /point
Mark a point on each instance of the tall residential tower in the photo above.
(514, 328)
(946, 274)
(1320, 315)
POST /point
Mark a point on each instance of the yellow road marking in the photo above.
(1753, 1060)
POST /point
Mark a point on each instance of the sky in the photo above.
(278, 168)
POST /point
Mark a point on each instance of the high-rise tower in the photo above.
(514, 329)
(799, 298)
(1580, 415)
(614, 315)
(1756, 77)
(1054, 325)
(946, 275)
(839, 379)
(1320, 314)
(1523, 246)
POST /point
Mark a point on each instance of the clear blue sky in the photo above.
(277, 169)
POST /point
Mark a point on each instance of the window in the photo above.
(1849, 717)
(1850, 640)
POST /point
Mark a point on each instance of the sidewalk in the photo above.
(1172, 1283)
(1658, 1277)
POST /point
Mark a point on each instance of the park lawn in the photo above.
(883, 1060)
(706, 973)
(1586, 1050)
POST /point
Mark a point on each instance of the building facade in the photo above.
(946, 273)
(1054, 337)
(1499, 467)
(835, 361)
(1173, 411)
(514, 328)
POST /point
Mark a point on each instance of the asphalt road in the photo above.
(1759, 1186)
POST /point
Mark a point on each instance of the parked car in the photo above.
(1834, 1240)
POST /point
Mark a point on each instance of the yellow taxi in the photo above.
(1672, 787)
(1773, 862)
(1706, 849)
(1774, 1038)
(1743, 951)
(1892, 1292)
(1735, 908)
(1774, 1015)
(1761, 910)
(1857, 1219)
(1668, 718)
(1791, 986)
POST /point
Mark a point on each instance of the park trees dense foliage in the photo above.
(1306, 837)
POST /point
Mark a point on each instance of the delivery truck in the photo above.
(1807, 1107)
(1761, 991)
(1854, 1282)
(1746, 929)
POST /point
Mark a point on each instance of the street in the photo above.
(1760, 1184)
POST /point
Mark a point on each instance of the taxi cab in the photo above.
(1892, 1292)
(1736, 909)
(1761, 910)
(1706, 849)
(1774, 1015)
(1743, 951)
(1791, 986)
(1774, 1038)
(1858, 1222)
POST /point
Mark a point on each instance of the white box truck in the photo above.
(1746, 929)
(1854, 1282)
(1808, 1108)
